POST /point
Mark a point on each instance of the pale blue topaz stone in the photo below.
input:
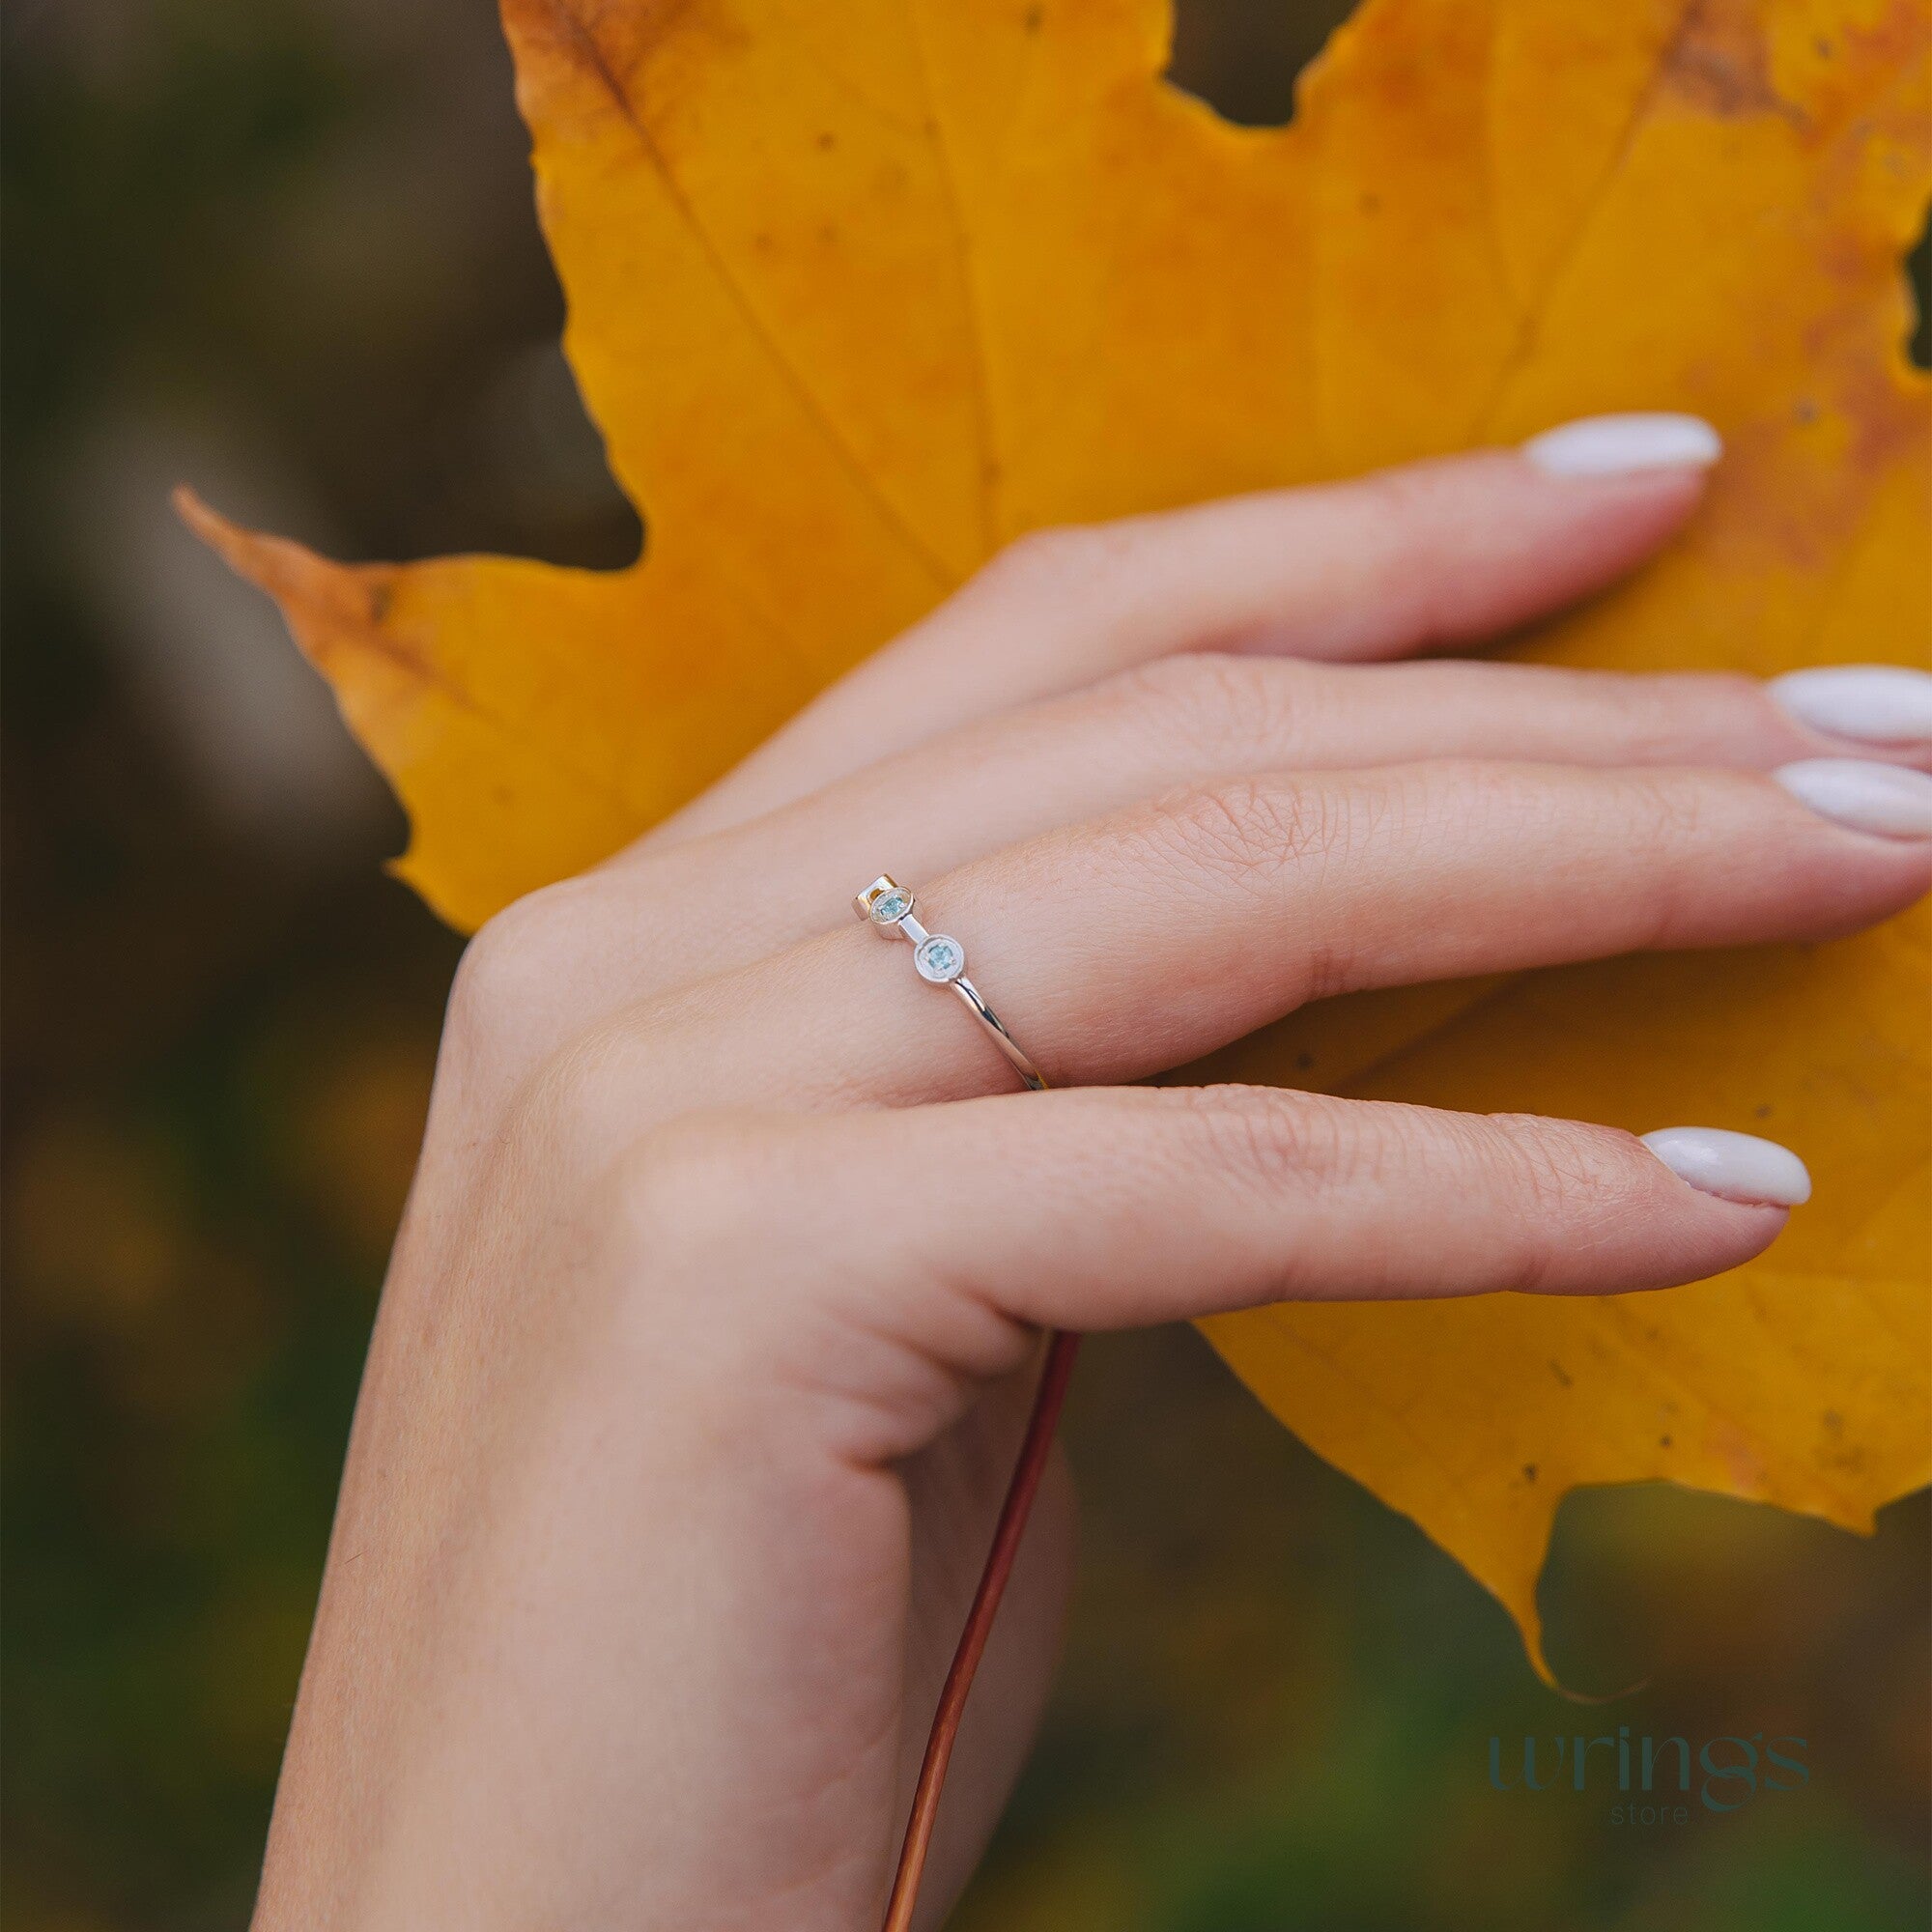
(939, 959)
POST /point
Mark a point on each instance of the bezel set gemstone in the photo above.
(892, 905)
(939, 959)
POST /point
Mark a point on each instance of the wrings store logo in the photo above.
(1657, 1775)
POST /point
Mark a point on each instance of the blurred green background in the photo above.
(284, 248)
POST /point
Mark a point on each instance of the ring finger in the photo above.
(1117, 949)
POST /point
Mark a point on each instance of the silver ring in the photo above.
(893, 912)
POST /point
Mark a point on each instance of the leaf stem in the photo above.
(1031, 1466)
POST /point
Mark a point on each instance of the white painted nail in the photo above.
(1614, 445)
(1887, 799)
(1880, 705)
(1734, 1167)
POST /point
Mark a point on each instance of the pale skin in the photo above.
(715, 1310)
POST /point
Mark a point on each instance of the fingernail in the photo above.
(1612, 445)
(1734, 1167)
(1887, 799)
(1883, 704)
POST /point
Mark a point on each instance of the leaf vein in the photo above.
(1529, 325)
(975, 334)
(591, 53)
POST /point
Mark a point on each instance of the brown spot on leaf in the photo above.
(623, 49)
(1718, 62)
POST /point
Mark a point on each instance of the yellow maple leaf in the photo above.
(862, 289)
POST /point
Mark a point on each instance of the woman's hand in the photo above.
(713, 1322)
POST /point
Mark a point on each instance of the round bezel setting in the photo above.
(939, 959)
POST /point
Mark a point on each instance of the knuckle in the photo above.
(1040, 556)
(1547, 1168)
(1675, 717)
(1569, 1186)
(1053, 561)
(1664, 820)
(581, 1103)
(1727, 694)
(511, 956)
(696, 1210)
(1669, 812)
(1221, 705)
(1652, 807)
(1422, 549)
(1464, 795)
(1404, 494)
(695, 1190)
(1276, 1140)
(1245, 831)
(1447, 804)
(1424, 555)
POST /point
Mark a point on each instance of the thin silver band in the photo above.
(893, 912)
